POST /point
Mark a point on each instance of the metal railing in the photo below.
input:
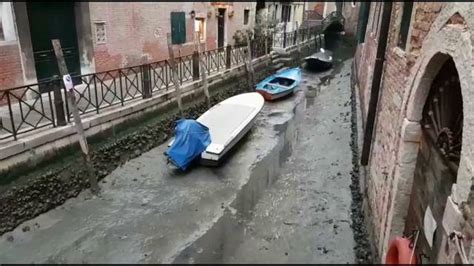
(31, 107)
(284, 39)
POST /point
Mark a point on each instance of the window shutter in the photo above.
(178, 27)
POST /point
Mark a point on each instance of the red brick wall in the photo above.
(367, 53)
(138, 29)
(11, 73)
(351, 15)
(319, 7)
(397, 68)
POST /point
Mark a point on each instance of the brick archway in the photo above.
(437, 158)
(443, 42)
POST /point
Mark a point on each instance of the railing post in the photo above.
(196, 65)
(284, 38)
(58, 102)
(12, 120)
(295, 37)
(228, 58)
(146, 81)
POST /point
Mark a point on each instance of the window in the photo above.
(246, 16)
(200, 28)
(405, 24)
(178, 27)
(2, 35)
(7, 26)
(275, 12)
(285, 13)
(100, 36)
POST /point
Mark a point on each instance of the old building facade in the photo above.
(99, 36)
(287, 13)
(413, 72)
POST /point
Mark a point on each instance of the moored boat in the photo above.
(228, 121)
(280, 84)
(319, 61)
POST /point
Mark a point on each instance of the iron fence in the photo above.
(27, 108)
(20, 116)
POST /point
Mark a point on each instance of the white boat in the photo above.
(228, 121)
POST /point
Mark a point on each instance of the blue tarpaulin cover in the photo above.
(191, 139)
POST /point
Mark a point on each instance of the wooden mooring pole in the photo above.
(75, 112)
(174, 74)
(249, 66)
(202, 68)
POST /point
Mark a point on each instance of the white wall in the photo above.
(8, 25)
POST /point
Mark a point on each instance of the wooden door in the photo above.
(53, 20)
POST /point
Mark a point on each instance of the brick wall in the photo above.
(137, 30)
(397, 68)
(351, 14)
(388, 123)
(366, 59)
(11, 73)
(319, 7)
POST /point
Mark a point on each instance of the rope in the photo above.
(457, 237)
(414, 245)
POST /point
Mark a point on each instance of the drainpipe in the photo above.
(362, 22)
(376, 79)
(304, 10)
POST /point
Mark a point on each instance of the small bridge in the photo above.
(333, 22)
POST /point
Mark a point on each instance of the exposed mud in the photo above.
(362, 248)
(52, 186)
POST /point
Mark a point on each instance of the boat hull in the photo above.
(226, 133)
(268, 96)
(206, 158)
(280, 84)
(317, 64)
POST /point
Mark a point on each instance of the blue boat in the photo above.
(280, 84)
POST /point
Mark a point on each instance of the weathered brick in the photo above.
(138, 29)
(11, 72)
(398, 69)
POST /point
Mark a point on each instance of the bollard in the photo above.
(58, 102)
(195, 65)
(146, 81)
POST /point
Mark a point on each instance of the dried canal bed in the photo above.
(207, 215)
(147, 214)
(305, 216)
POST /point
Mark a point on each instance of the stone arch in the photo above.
(335, 26)
(442, 43)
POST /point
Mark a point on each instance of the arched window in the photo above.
(443, 114)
